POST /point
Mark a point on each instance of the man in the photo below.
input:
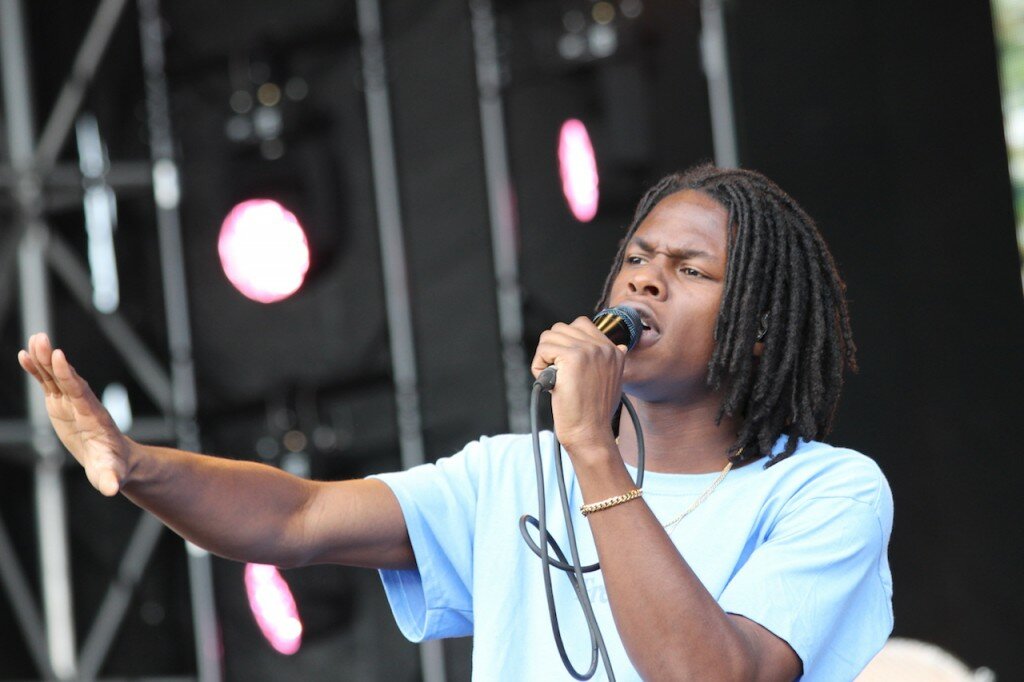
(754, 552)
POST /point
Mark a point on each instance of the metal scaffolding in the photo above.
(500, 203)
(394, 265)
(34, 178)
(37, 183)
(715, 56)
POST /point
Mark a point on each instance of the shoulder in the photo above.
(501, 449)
(481, 467)
(835, 470)
(485, 457)
(505, 443)
(820, 471)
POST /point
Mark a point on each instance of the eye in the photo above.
(691, 272)
(633, 260)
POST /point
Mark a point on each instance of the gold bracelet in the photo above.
(611, 502)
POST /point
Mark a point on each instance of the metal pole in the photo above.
(35, 311)
(97, 37)
(502, 215)
(396, 286)
(167, 193)
(716, 69)
(116, 601)
(18, 591)
(8, 262)
(126, 341)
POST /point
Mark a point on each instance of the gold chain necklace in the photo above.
(671, 525)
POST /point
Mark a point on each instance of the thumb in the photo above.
(104, 478)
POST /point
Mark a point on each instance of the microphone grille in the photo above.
(621, 324)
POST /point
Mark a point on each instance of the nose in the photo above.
(648, 281)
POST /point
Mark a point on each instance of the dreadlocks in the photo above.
(781, 288)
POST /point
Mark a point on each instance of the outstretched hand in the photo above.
(79, 418)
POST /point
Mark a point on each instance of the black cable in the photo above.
(574, 571)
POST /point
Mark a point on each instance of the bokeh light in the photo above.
(263, 250)
(578, 169)
(274, 608)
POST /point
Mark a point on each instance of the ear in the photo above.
(762, 329)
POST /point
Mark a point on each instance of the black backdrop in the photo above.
(882, 119)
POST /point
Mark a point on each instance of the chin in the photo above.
(647, 391)
(660, 389)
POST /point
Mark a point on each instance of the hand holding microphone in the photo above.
(588, 357)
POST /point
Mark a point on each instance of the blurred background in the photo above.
(326, 235)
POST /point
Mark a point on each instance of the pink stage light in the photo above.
(263, 250)
(578, 168)
(274, 607)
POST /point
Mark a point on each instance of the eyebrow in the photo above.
(671, 252)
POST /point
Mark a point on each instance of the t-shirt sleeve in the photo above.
(821, 582)
(435, 599)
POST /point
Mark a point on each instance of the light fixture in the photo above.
(274, 608)
(263, 250)
(577, 167)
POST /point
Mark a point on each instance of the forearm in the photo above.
(236, 509)
(670, 626)
(240, 510)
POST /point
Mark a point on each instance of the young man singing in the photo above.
(753, 552)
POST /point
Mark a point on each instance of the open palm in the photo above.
(81, 422)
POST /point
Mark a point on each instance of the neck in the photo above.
(681, 439)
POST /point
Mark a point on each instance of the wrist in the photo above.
(601, 474)
(589, 443)
(595, 452)
(134, 454)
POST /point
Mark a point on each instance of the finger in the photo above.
(25, 360)
(107, 482)
(565, 335)
(72, 385)
(585, 328)
(39, 347)
(585, 324)
(572, 336)
(548, 353)
(581, 328)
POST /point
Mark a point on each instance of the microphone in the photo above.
(622, 326)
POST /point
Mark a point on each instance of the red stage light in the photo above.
(263, 250)
(274, 607)
(578, 168)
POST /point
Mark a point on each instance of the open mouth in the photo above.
(648, 333)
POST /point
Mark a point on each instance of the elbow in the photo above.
(725, 666)
(743, 670)
(287, 562)
(742, 663)
(739, 667)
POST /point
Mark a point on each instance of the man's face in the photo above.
(673, 274)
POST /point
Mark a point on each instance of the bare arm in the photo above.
(240, 510)
(670, 625)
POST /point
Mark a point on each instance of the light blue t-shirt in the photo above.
(799, 548)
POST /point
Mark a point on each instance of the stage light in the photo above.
(273, 607)
(263, 250)
(578, 169)
(115, 399)
(100, 207)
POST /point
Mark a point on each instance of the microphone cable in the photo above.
(574, 571)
